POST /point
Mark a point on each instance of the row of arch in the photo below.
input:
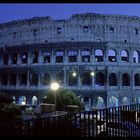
(99, 78)
(100, 102)
(46, 56)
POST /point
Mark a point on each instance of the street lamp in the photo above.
(54, 86)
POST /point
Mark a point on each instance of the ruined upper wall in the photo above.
(79, 27)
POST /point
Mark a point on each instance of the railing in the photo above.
(123, 121)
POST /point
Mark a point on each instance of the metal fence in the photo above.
(122, 121)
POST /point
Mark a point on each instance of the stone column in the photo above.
(17, 80)
(65, 77)
(39, 80)
(28, 79)
(9, 59)
(79, 56)
(119, 78)
(79, 81)
(18, 58)
(52, 57)
(29, 58)
(40, 57)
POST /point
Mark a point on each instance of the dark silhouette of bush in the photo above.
(64, 97)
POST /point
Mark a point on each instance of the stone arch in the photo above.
(126, 101)
(33, 79)
(87, 103)
(72, 78)
(99, 55)
(46, 56)
(124, 56)
(24, 57)
(100, 79)
(112, 79)
(14, 58)
(72, 56)
(113, 101)
(112, 57)
(86, 78)
(137, 79)
(23, 78)
(139, 100)
(136, 56)
(22, 100)
(85, 55)
(59, 56)
(60, 77)
(125, 79)
(4, 79)
(14, 99)
(46, 80)
(34, 56)
(100, 102)
(34, 100)
(13, 78)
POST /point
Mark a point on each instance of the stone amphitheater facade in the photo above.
(95, 55)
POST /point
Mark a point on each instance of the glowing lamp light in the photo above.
(23, 103)
(92, 73)
(54, 86)
(74, 74)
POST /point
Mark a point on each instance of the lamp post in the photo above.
(92, 75)
(54, 86)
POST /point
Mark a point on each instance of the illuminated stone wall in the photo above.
(34, 52)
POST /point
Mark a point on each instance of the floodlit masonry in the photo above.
(95, 55)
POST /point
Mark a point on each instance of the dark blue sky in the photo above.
(9, 12)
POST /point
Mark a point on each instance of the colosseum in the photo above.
(95, 55)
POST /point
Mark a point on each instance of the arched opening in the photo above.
(60, 77)
(137, 79)
(14, 99)
(124, 56)
(112, 56)
(34, 100)
(113, 102)
(46, 57)
(99, 79)
(85, 55)
(112, 79)
(5, 58)
(99, 55)
(100, 102)
(23, 78)
(34, 79)
(59, 56)
(13, 79)
(46, 80)
(138, 99)
(4, 79)
(126, 101)
(35, 55)
(136, 57)
(72, 79)
(14, 57)
(22, 100)
(87, 103)
(125, 79)
(24, 58)
(86, 79)
(72, 56)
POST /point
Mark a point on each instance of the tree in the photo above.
(64, 97)
(8, 110)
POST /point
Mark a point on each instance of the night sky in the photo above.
(10, 12)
